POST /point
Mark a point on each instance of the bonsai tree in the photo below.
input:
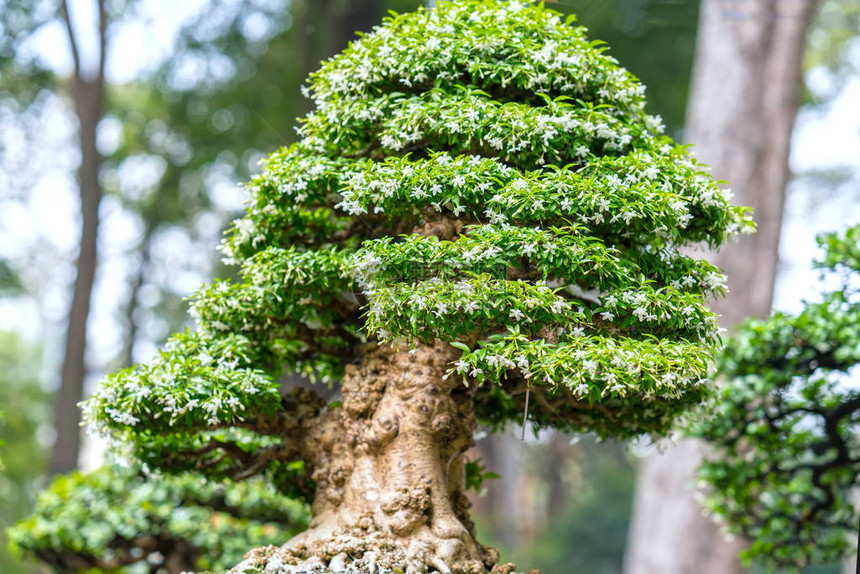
(479, 223)
(786, 452)
(116, 517)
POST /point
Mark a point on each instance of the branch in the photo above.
(64, 12)
(300, 414)
(120, 547)
(103, 24)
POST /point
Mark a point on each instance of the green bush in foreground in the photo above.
(785, 428)
(115, 517)
(479, 213)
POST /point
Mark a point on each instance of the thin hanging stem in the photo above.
(525, 412)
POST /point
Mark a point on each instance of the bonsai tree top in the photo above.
(479, 211)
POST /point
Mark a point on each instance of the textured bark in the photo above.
(88, 97)
(744, 100)
(389, 470)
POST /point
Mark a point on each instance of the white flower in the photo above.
(471, 307)
(715, 280)
(351, 207)
(516, 314)
(529, 249)
(607, 316)
(604, 132)
(123, 418)
(619, 389)
(603, 204)
(669, 379)
(458, 180)
(495, 217)
(582, 151)
(522, 362)
(628, 215)
(519, 184)
(391, 142)
(462, 366)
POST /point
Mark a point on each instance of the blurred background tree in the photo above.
(784, 455)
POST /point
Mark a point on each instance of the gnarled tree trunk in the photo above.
(389, 470)
(744, 100)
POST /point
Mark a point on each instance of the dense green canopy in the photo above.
(480, 174)
(785, 428)
(116, 517)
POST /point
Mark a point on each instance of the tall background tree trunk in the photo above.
(743, 103)
(88, 98)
